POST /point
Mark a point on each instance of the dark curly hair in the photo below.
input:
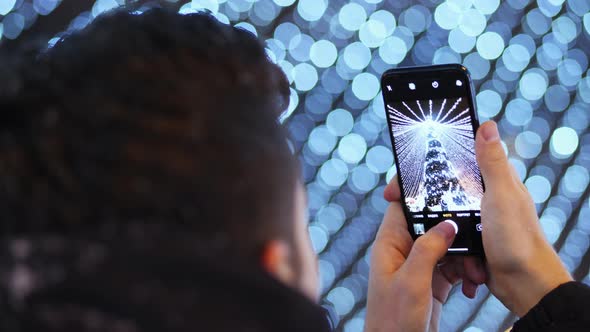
(155, 118)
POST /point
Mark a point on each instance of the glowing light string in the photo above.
(413, 131)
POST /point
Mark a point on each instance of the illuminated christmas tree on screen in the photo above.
(435, 148)
(441, 185)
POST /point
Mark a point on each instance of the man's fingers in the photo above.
(491, 158)
(393, 241)
(394, 219)
(474, 270)
(430, 248)
(469, 288)
(392, 192)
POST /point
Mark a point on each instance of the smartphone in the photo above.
(432, 122)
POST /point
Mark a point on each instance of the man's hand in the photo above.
(406, 287)
(522, 265)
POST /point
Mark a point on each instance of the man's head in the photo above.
(162, 119)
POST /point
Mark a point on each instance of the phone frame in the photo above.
(433, 72)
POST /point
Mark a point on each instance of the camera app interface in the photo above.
(431, 120)
(434, 141)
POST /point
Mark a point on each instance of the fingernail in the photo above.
(447, 229)
(454, 224)
(490, 132)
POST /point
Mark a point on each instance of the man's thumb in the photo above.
(490, 155)
(431, 247)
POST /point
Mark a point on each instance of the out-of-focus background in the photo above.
(529, 59)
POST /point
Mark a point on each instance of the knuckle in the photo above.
(427, 244)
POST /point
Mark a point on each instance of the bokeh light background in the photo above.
(529, 60)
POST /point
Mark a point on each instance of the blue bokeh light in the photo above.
(564, 142)
(490, 45)
(529, 63)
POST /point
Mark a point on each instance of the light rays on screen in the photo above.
(435, 143)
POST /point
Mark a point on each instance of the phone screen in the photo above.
(432, 122)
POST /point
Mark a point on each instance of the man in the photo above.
(147, 186)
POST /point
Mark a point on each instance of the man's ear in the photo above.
(276, 261)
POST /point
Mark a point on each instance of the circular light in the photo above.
(327, 273)
(473, 329)
(557, 98)
(334, 173)
(386, 18)
(490, 45)
(43, 7)
(551, 227)
(332, 216)
(519, 112)
(533, 84)
(486, 7)
(248, 27)
(13, 24)
(575, 181)
(569, 72)
(584, 89)
(312, 10)
(362, 180)
(528, 144)
(305, 76)
(447, 16)
(393, 50)
(577, 117)
(526, 41)
(240, 6)
(550, 8)
(300, 47)
(372, 33)
(549, 56)
(415, 18)
(357, 56)
(379, 159)
(489, 103)
(564, 142)
(323, 53)
(537, 22)
(460, 42)
(478, 66)
(445, 55)
(211, 5)
(277, 50)
(520, 168)
(101, 6)
(342, 299)
(564, 30)
(352, 16)
(352, 148)
(319, 238)
(293, 102)
(285, 32)
(390, 174)
(516, 58)
(321, 141)
(365, 86)
(377, 200)
(579, 7)
(284, 3)
(6, 6)
(406, 35)
(339, 122)
(472, 23)
(354, 324)
(539, 188)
